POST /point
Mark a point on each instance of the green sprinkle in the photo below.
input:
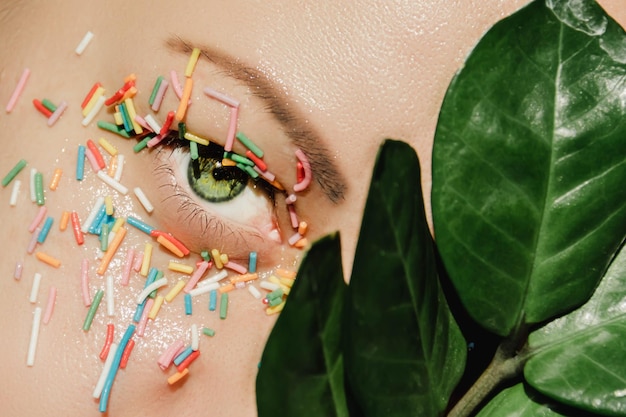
(143, 144)
(248, 169)
(49, 105)
(249, 144)
(39, 196)
(92, 310)
(193, 150)
(208, 332)
(113, 128)
(277, 293)
(155, 89)
(223, 305)
(104, 238)
(182, 129)
(205, 255)
(13, 172)
(238, 158)
(274, 301)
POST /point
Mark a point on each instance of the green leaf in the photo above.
(579, 358)
(301, 372)
(528, 164)
(519, 401)
(404, 352)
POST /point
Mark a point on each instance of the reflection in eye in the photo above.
(216, 205)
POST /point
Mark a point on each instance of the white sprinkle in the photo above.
(110, 296)
(204, 289)
(105, 371)
(92, 215)
(154, 286)
(33, 195)
(34, 291)
(112, 183)
(195, 341)
(270, 286)
(94, 111)
(14, 192)
(83, 43)
(141, 196)
(120, 168)
(34, 335)
(19, 268)
(154, 125)
(215, 278)
(255, 292)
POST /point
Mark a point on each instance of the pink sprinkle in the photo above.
(294, 239)
(240, 285)
(52, 296)
(231, 102)
(291, 199)
(141, 326)
(178, 89)
(18, 90)
(138, 261)
(293, 216)
(158, 99)
(84, 282)
(57, 113)
(265, 174)
(19, 268)
(155, 141)
(302, 185)
(128, 265)
(33, 241)
(92, 160)
(232, 129)
(165, 360)
(233, 266)
(142, 122)
(202, 268)
(38, 219)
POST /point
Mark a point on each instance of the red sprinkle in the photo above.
(126, 354)
(172, 239)
(168, 123)
(89, 95)
(78, 234)
(188, 360)
(42, 109)
(96, 153)
(107, 342)
(257, 161)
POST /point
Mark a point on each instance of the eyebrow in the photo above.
(302, 135)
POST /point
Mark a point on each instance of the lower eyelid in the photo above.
(199, 227)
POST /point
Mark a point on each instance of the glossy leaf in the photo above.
(301, 372)
(404, 352)
(528, 164)
(580, 356)
(519, 401)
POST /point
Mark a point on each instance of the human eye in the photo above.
(212, 204)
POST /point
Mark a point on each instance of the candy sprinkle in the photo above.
(18, 90)
(13, 172)
(47, 259)
(80, 48)
(34, 336)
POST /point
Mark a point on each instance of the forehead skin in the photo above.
(356, 71)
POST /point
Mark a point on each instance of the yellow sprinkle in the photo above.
(276, 309)
(147, 257)
(226, 288)
(106, 145)
(177, 267)
(215, 255)
(177, 376)
(130, 93)
(130, 107)
(170, 246)
(65, 218)
(224, 258)
(119, 222)
(197, 139)
(130, 77)
(286, 281)
(108, 204)
(158, 302)
(175, 291)
(93, 100)
(191, 64)
(112, 166)
(45, 258)
(286, 289)
(117, 117)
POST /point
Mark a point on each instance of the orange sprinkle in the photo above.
(245, 278)
(170, 246)
(302, 228)
(302, 243)
(113, 246)
(226, 288)
(130, 93)
(56, 177)
(286, 273)
(184, 100)
(177, 376)
(130, 77)
(45, 258)
(112, 166)
(277, 185)
(228, 162)
(65, 219)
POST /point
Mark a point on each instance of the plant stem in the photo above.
(504, 365)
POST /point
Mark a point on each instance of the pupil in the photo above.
(214, 182)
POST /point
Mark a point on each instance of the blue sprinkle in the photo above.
(139, 311)
(213, 300)
(182, 356)
(96, 225)
(252, 262)
(139, 225)
(106, 390)
(188, 304)
(45, 229)
(80, 163)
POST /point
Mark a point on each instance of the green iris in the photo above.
(214, 182)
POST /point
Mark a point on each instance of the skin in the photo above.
(353, 74)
